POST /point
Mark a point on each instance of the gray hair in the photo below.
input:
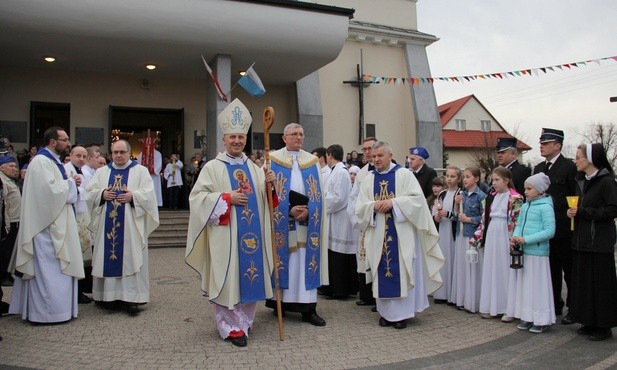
(290, 127)
(386, 147)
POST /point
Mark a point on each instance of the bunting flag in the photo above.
(531, 72)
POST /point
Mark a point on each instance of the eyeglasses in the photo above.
(119, 152)
(298, 134)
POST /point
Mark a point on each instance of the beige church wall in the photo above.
(281, 97)
(394, 13)
(90, 95)
(387, 106)
(472, 113)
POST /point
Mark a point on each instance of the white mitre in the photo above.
(235, 118)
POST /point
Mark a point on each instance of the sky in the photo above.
(489, 36)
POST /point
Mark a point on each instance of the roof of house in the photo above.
(470, 139)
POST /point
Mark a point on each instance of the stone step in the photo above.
(165, 242)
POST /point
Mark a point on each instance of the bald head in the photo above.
(78, 156)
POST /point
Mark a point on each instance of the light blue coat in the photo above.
(536, 223)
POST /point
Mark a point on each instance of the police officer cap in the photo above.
(504, 143)
(549, 134)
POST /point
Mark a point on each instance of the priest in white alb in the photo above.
(124, 212)
(48, 260)
(400, 238)
(228, 240)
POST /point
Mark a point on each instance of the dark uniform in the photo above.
(520, 172)
(425, 174)
(562, 174)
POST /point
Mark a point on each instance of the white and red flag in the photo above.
(222, 95)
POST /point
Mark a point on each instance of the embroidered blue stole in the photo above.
(388, 271)
(248, 228)
(113, 246)
(45, 153)
(283, 225)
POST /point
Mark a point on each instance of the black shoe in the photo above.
(451, 304)
(7, 282)
(239, 341)
(600, 334)
(585, 330)
(364, 303)
(374, 309)
(83, 299)
(400, 324)
(4, 308)
(132, 309)
(314, 319)
(383, 322)
(440, 301)
(567, 320)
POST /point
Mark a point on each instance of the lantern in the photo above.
(471, 255)
(517, 257)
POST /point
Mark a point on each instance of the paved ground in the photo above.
(176, 330)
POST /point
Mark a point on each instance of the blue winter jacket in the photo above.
(536, 223)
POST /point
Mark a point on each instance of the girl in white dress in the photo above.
(533, 290)
(444, 215)
(498, 221)
(468, 275)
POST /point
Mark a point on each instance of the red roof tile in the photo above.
(474, 139)
(448, 110)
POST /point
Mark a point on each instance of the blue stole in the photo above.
(248, 227)
(283, 224)
(45, 153)
(388, 271)
(113, 246)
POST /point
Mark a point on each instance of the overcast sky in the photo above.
(488, 36)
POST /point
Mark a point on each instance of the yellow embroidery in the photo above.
(279, 186)
(315, 217)
(313, 264)
(247, 215)
(252, 272)
(314, 194)
(386, 249)
(383, 191)
(113, 214)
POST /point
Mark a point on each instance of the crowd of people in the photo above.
(77, 226)
(317, 223)
(560, 219)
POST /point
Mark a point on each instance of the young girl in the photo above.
(533, 290)
(498, 221)
(438, 184)
(466, 283)
(444, 214)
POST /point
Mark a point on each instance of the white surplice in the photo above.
(48, 252)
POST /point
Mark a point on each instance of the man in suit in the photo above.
(561, 171)
(506, 156)
(424, 173)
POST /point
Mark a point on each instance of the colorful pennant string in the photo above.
(498, 75)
